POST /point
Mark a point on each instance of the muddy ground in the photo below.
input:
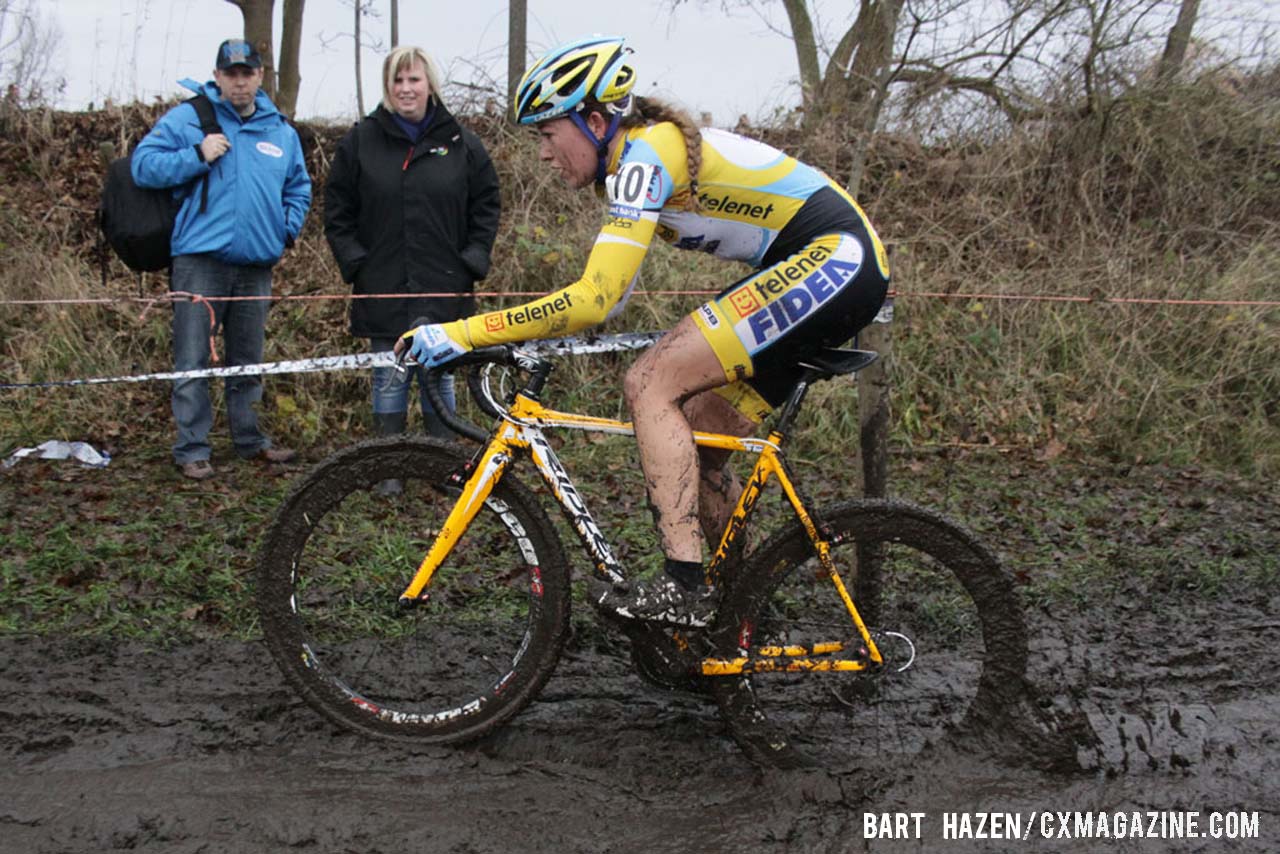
(200, 748)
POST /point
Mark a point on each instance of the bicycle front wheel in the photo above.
(340, 552)
(939, 608)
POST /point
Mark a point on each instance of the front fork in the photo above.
(485, 474)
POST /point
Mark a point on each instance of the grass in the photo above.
(133, 551)
(1174, 196)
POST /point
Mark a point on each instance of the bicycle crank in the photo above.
(662, 657)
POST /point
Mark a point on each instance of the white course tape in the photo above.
(358, 361)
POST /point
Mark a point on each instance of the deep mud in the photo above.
(201, 748)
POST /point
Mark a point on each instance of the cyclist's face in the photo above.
(568, 151)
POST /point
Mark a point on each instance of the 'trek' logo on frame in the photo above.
(539, 312)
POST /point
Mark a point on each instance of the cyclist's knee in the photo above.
(634, 384)
(645, 385)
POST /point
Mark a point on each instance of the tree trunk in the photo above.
(806, 51)
(855, 72)
(359, 85)
(290, 43)
(1175, 48)
(258, 32)
(395, 23)
(870, 120)
(517, 45)
(875, 51)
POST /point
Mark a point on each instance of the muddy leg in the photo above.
(678, 367)
(718, 485)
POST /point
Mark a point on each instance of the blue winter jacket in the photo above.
(259, 190)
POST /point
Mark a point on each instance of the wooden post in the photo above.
(517, 46)
(873, 418)
(873, 405)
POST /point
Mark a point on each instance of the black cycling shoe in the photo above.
(663, 600)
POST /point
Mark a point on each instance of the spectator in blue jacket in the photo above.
(225, 244)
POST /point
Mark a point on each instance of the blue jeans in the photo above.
(391, 391)
(243, 325)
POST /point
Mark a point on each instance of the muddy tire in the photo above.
(935, 584)
(340, 553)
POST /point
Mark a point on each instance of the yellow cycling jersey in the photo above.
(754, 203)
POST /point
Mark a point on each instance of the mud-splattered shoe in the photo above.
(663, 600)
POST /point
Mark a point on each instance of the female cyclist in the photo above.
(820, 275)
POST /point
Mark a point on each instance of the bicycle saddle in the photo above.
(833, 361)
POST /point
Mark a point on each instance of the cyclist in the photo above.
(819, 275)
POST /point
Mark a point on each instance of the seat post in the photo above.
(792, 407)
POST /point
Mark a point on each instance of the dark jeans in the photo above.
(243, 324)
(391, 391)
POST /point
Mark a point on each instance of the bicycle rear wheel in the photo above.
(336, 559)
(938, 606)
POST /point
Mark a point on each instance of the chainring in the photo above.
(664, 657)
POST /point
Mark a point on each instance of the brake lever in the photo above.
(401, 365)
(403, 362)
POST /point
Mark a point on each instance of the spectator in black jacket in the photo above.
(411, 206)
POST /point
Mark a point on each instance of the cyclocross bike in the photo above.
(869, 628)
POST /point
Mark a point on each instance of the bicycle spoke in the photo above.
(458, 663)
(920, 604)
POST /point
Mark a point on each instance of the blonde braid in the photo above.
(652, 111)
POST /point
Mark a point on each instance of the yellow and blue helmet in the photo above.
(594, 68)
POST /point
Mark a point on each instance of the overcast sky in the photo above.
(727, 65)
(698, 55)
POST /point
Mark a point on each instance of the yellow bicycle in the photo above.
(867, 628)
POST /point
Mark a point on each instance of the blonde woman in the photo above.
(411, 206)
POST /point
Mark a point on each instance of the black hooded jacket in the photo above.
(410, 217)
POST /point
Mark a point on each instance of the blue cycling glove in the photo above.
(431, 346)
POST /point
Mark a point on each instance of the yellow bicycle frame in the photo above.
(521, 430)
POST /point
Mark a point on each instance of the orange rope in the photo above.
(533, 294)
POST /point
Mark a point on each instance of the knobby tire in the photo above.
(934, 583)
(336, 559)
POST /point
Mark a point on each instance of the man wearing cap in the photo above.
(225, 242)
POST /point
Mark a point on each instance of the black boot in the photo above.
(389, 424)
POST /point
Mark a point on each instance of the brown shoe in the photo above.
(275, 455)
(197, 470)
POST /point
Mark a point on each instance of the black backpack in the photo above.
(138, 222)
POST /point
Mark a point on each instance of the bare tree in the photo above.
(361, 40)
(1175, 47)
(363, 9)
(517, 44)
(395, 23)
(28, 44)
(855, 68)
(356, 40)
(259, 32)
(290, 76)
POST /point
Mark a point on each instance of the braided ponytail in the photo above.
(652, 111)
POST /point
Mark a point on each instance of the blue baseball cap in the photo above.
(237, 52)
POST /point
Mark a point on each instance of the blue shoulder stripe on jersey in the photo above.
(801, 183)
